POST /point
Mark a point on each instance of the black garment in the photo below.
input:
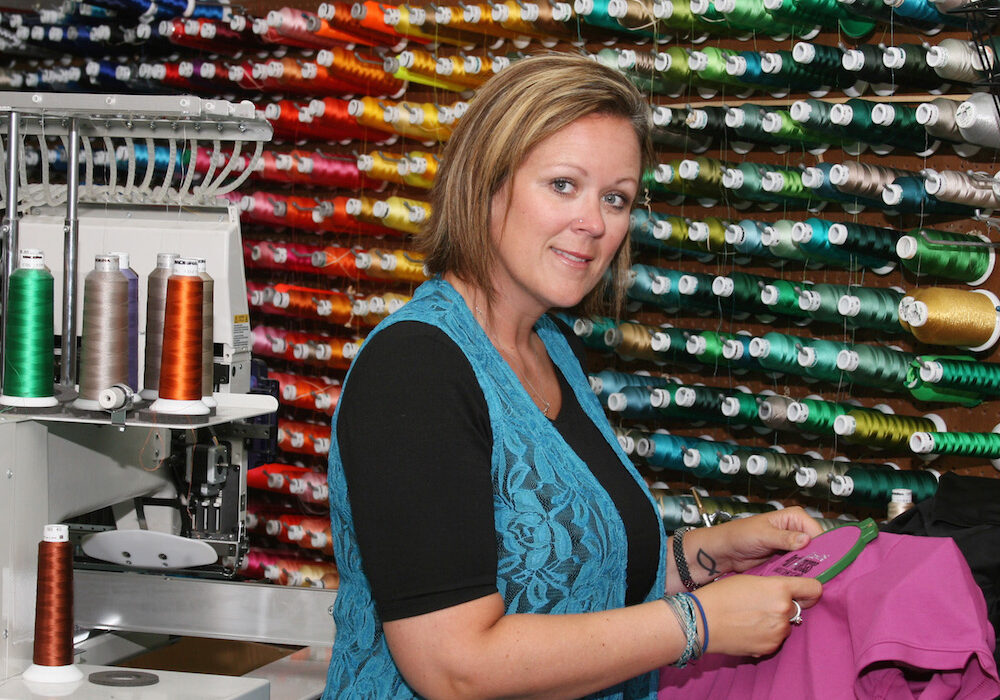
(967, 509)
(426, 533)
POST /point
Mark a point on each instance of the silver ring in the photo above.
(796, 619)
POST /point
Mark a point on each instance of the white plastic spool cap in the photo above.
(928, 114)
(735, 66)
(729, 464)
(735, 118)
(617, 402)
(800, 109)
(853, 60)
(922, 443)
(55, 532)
(847, 360)
(769, 236)
(802, 52)
(659, 398)
(883, 114)
(797, 412)
(892, 194)
(662, 115)
(809, 301)
(756, 465)
(770, 62)
(617, 8)
(759, 347)
(839, 174)
(965, 115)
(768, 295)
(841, 485)
(806, 477)
(849, 305)
(735, 234)
(697, 232)
(732, 178)
(687, 285)
(937, 56)
(801, 231)
(845, 425)
(770, 122)
(916, 313)
(696, 345)
(894, 56)
(907, 247)
(932, 181)
(684, 397)
(697, 60)
(837, 235)
(659, 342)
(732, 349)
(688, 169)
(771, 182)
(626, 58)
(931, 371)
(723, 286)
(806, 357)
(901, 496)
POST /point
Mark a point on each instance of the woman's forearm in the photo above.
(482, 653)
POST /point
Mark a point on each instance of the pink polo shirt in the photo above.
(905, 620)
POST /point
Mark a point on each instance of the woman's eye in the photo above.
(616, 200)
(562, 185)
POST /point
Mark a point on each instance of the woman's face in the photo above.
(558, 222)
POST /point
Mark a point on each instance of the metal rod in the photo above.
(9, 229)
(71, 239)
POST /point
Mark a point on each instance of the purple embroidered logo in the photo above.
(798, 564)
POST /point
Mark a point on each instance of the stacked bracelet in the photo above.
(683, 605)
(681, 560)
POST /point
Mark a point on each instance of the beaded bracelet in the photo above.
(683, 610)
(681, 560)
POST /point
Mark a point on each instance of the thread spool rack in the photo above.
(291, 216)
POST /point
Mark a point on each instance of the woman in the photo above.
(493, 539)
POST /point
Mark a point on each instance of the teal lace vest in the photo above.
(561, 545)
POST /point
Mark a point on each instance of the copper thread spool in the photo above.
(181, 367)
(53, 652)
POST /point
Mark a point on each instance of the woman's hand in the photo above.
(746, 542)
(749, 615)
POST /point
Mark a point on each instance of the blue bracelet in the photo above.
(704, 620)
(683, 610)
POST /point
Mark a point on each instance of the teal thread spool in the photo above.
(908, 195)
(29, 362)
(901, 128)
(745, 182)
(641, 228)
(703, 459)
(818, 358)
(872, 242)
(820, 302)
(591, 331)
(671, 507)
(695, 289)
(876, 366)
(745, 67)
(922, 14)
(741, 408)
(829, 61)
(746, 237)
(947, 255)
(706, 347)
(737, 351)
(782, 298)
(700, 402)
(873, 487)
(670, 345)
(745, 123)
(783, 69)
(651, 285)
(739, 292)
(662, 184)
(633, 402)
(812, 236)
(671, 132)
(663, 451)
(872, 307)
(607, 382)
(854, 119)
(776, 352)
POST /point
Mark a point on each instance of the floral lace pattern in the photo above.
(561, 545)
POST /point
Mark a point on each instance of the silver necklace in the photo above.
(508, 355)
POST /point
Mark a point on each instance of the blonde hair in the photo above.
(513, 112)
